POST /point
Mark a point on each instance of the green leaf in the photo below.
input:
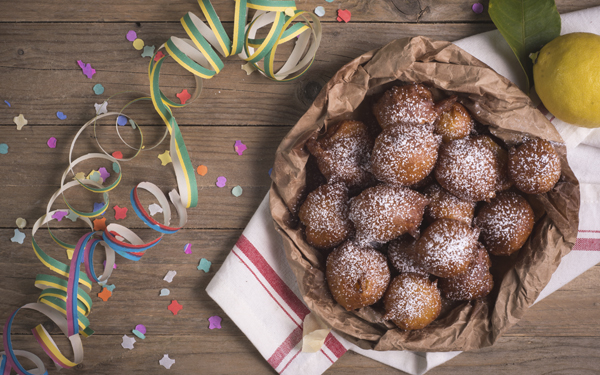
(527, 25)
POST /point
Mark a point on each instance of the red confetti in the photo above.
(344, 15)
(159, 55)
(117, 155)
(183, 96)
(175, 307)
(120, 212)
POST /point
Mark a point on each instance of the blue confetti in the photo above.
(98, 206)
(7, 103)
(3, 148)
(61, 115)
(270, 170)
(122, 120)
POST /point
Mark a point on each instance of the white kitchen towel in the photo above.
(258, 291)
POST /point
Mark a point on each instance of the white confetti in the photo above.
(170, 275)
(128, 342)
(166, 362)
(320, 11)
(154, 209)
(101, 108)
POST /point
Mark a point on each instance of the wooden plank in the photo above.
(45, 78)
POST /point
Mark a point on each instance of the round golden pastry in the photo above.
(505, 223)
(357, 275)
(407, 104)
(476, 282)
(503, 181)
(403, 257)
(443, 205)
(467, 169)
(412, 301)
(404, 155)
(454, 121)
(534, 166)
(446, 247)
(325, 215)
(384, 212)
(342, 153)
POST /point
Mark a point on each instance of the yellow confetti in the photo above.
(20, 121)
(248, 68)
(138, 44)
(79, 176)
(289, 12)
(165, 158)
(21, 223)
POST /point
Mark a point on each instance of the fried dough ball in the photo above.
(534, 166)
(412, 301)
(443, 205)
(325, 215)
(505, 222)
(503, 182)
(357, 276)
(446, 248)
(476, 282)
(404, 155)
(454, 122)
(408, 104)
(467, 169)
(383, 212)
(343, 153)
(403, 257)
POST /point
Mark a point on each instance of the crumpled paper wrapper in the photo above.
(492, 100)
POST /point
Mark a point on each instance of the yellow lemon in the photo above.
(567, 78)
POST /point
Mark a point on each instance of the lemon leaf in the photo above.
(526, 25)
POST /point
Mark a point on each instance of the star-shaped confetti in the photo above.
(204, 265)
(100, 224)
(183, 96)
(154, 209)
(20, 121)
(105, 294)
(188, 248)
(169, 276)
(159, 55)
(239, 147)
(120, 212)
(18, 237)
(166, 362)
(101, 108)
(248, 68)
(110, 287)
(165, 158)
(214, 322)
(128, 342)
(58, 215)
(104, 173)
(87, 69)
(148, 51)
(72, 216)
(175, 307)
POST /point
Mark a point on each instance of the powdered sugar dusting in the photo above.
(408, 104)
(412, 301)
(401, 254)
(534, 166)
(476, 282)
(443, 205)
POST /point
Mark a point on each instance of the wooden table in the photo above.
(40, 44)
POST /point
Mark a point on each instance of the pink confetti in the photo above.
(114, 265)
(239, 147)
(221, 181)
(58, 215)
(141, 328)
(51, 142)
(188, 248)
(215, 322)
(87, 69)
(159, 55)
(477, 8)
(131, 35)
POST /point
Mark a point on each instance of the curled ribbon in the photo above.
(67, 302)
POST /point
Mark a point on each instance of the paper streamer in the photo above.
(67, 302)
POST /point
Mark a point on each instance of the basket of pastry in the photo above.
(423, 201)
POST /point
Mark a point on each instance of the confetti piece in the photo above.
(239, 147)
(188, 248)
(114, 264)
(18, 237)
(98, 89)
(120, 212)
(138, 44)
(132, 123)
(79, 176)
(154, 209)
(174, 307)
(21, 223)
(116, 167)
(166, 362)
(100, 224)
(202, 170)
(215, 322)
(128, 342)
(204, 265)
(103, 173)
(98, 206)
(249, 68)
(159, 55)
(3, 148)
(270, 170)
(58, 215)
(165, 158)
(20, 121)
(72, 216)
(477, 8)
(138, 334)
(61, 115)
(329, 1)
(87, 69)
(148, 51)
(183, 96)
(51, 142)
(131, 35)
(344, 15)
(110, 287)
(164, 292)
(169, 276)
(117, 155)
(7, 103)
(121, 120)
(101, 108)
(105, 294)
(320, 11)
(221, 181)
(141, 328)
(94, 176)
(237, 191)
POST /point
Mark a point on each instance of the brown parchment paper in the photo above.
(492, 100)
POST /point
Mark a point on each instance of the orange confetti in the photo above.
(202, 170)
(100, 224)
(105, 294)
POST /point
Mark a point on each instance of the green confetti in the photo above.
(204, 265)
(237, 191)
